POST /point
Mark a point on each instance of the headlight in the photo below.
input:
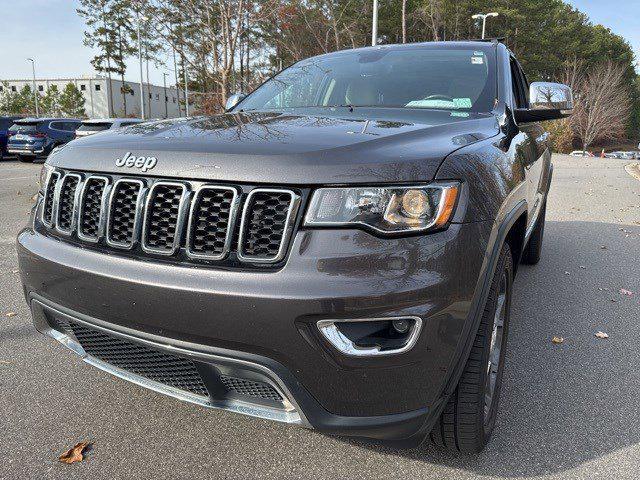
(385, 209)
(44, 175)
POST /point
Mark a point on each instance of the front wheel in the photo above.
(470, 414)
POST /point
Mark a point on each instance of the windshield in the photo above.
(434, 78)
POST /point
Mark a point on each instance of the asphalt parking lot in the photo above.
(567, 411)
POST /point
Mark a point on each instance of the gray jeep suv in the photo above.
(337, 250)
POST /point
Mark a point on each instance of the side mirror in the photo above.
(547, 101)
(234, 100)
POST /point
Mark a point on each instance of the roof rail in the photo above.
(492, 39)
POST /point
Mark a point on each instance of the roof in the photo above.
(112, 119)
(44, 119)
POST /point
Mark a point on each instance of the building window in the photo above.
(1, 88)
(13, 88)
(166, 99)
(157, 96)
(83, 87)
(174, 99)
(97, 88)
(132, 92)
(149, 95)
(40, 88)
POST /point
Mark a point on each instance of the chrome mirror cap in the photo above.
(234, 100)
(551, 96)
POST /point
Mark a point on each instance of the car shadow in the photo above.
(564, 405)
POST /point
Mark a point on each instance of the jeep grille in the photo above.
(192, 221)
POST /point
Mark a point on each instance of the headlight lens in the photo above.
(44, 175)
(385, 209)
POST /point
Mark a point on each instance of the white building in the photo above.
(102, 100)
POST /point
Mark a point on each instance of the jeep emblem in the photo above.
(144, 163)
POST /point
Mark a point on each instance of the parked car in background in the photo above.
(95, 125)
(580, 153)
(30, 138)
(5, 124)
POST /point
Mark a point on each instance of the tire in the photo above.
(533, 251)
(25, 159)
(467, 421)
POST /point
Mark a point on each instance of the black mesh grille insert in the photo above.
(161, 219)
(66, 202)
(241, 386)
(92, 207)
(134, 357)
(49, 197)
(122, 214)
(265, 224)
(210, 221)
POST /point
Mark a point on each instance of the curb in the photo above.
(633, 169)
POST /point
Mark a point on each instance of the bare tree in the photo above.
(601, 104)
(404, 21)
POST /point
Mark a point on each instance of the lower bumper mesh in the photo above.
(171, 370)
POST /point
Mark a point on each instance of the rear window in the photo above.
(24, 127)
(94, 127)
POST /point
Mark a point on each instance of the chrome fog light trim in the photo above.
(330, 331)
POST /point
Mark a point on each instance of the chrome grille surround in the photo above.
(192, 225)
(102, 218)
(49, 202)
(179, 222)
(294, 204)
(212, 224)
(61, 185)
(137, 214)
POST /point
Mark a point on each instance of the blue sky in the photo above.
(51, 32)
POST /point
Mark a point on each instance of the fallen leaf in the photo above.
(10, 314)
(557, 340)
(582, 267)
(603, 247)
(15, 271)
(567, 273)
(74, 454)
(602, 335)
(626, 292)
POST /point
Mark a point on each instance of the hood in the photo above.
(334, 146)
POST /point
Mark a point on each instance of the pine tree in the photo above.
(50, 103)
(72, 101)
(25, 103)
(9, 100)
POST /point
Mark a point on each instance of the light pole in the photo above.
(140, 60)
(374, 28)
(186, 88)
(35, 91)
(484, 17)
(164, 81)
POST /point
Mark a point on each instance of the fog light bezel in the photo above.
(330, 332)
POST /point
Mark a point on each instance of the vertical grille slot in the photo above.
(123, 218)
(91, 205)
(211, 222)
(49, 199)
(67, 202)
(163, 218)
(266, 224)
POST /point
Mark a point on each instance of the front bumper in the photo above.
(269, 318)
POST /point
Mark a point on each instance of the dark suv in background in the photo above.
(5, 124)
(30, 138)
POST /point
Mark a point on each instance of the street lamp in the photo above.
(35, 91)
(374, 29)
(484, 17)
(140, 60)
(164, 81)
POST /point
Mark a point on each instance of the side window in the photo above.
(71, 126)
(519, 85)
(57, 125)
